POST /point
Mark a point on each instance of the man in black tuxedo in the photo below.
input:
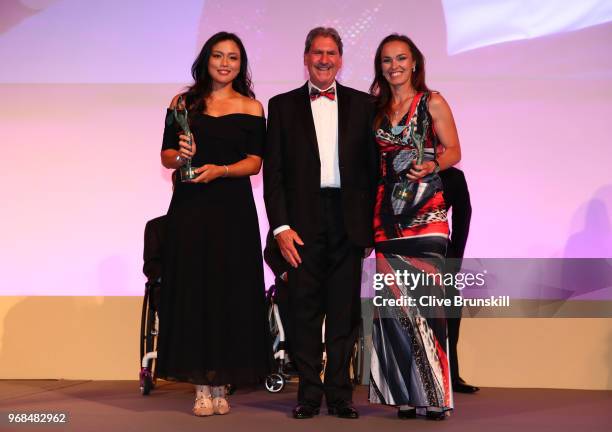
(457, 198)
(320, 174)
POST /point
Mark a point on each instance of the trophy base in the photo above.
(405, 191)
(188, 173)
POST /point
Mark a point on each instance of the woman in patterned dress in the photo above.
(410, 367)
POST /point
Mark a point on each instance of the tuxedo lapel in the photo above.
(307, 123)
(344, 114)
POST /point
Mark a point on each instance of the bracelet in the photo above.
(181, 160)
(437, 166)
(226, 171)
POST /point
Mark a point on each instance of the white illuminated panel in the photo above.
(473, 24)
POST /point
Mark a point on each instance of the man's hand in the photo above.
(286, 240)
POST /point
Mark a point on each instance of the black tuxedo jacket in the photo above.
(292, 168)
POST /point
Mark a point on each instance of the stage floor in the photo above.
(118, 405)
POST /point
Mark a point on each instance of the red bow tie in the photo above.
(330, 93)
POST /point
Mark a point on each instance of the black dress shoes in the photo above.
(345, 410)
(461, 386)
(406, 414)
(304, 412)
(435, 415)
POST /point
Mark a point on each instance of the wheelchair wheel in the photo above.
(151, 342)
(143, 323)
(356, 361)
(354, 366)
(150, 336)
(275, 383)
(148, 343)
(146, 382)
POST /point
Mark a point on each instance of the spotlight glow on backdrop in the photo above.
(84, 86)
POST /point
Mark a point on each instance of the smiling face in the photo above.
(224, 62)
(323, 61)
(397, 63)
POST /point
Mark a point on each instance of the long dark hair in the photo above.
(197, 93)
(380, 88)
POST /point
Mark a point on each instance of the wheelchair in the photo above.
(149, 327)
(285, 372)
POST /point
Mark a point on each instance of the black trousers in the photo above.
(453, 333)
(326, 284)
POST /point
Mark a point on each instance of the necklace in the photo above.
(399, 106)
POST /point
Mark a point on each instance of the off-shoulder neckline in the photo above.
(227, 115)
(233, 114)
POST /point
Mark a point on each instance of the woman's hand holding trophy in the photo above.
(187, 146)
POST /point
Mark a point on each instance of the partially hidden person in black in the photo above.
(274, 259)
(153, 253)
(457, 198)
(320, 175)
(213, 328)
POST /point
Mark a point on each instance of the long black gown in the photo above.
(214, 329)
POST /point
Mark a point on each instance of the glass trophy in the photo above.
(187, 171)
(404, 193)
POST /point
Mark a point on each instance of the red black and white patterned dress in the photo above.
(409, 356)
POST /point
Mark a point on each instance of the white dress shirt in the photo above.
(325, 116)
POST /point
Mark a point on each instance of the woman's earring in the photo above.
(413, 68)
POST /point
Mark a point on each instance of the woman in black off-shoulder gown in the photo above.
(213, 329)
